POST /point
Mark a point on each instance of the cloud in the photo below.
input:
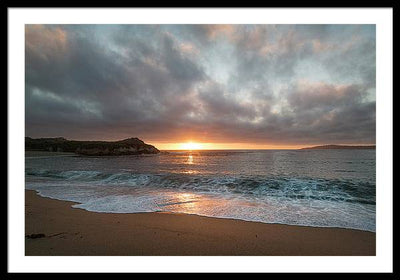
(214, 83)
(305, 95)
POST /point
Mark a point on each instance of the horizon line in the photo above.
(213, 146)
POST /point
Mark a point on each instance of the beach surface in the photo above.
(76, 232)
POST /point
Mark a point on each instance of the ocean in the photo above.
(323, 188)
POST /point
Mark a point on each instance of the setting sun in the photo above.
(191, 146)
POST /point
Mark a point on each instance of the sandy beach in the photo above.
(76, 232)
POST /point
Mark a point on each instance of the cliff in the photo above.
(130, 146)
(338, 147)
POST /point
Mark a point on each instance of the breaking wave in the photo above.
(269, 199)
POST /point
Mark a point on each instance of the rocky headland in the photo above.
(130, 146)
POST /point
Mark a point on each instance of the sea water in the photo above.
(324, 188)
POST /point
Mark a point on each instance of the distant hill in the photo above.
(130, 146)
(340, 147)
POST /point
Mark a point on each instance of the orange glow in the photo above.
(187, 202)
(191, 146)
(221, 146)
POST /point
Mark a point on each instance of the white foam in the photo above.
(268, 209)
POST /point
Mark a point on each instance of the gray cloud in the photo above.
(288, 84)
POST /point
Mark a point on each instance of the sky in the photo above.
(215, 86)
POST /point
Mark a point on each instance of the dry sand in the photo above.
(70, 231)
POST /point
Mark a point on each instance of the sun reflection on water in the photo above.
(196, 203)
(190, 172)
(185, 203)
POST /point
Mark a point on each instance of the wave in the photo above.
(270, 199)
(254, 186)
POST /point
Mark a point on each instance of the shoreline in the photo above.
(196, 215)
(76, 232)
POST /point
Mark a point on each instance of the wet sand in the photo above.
(76, 232)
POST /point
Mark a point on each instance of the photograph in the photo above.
(200, 139)
(173, 140)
